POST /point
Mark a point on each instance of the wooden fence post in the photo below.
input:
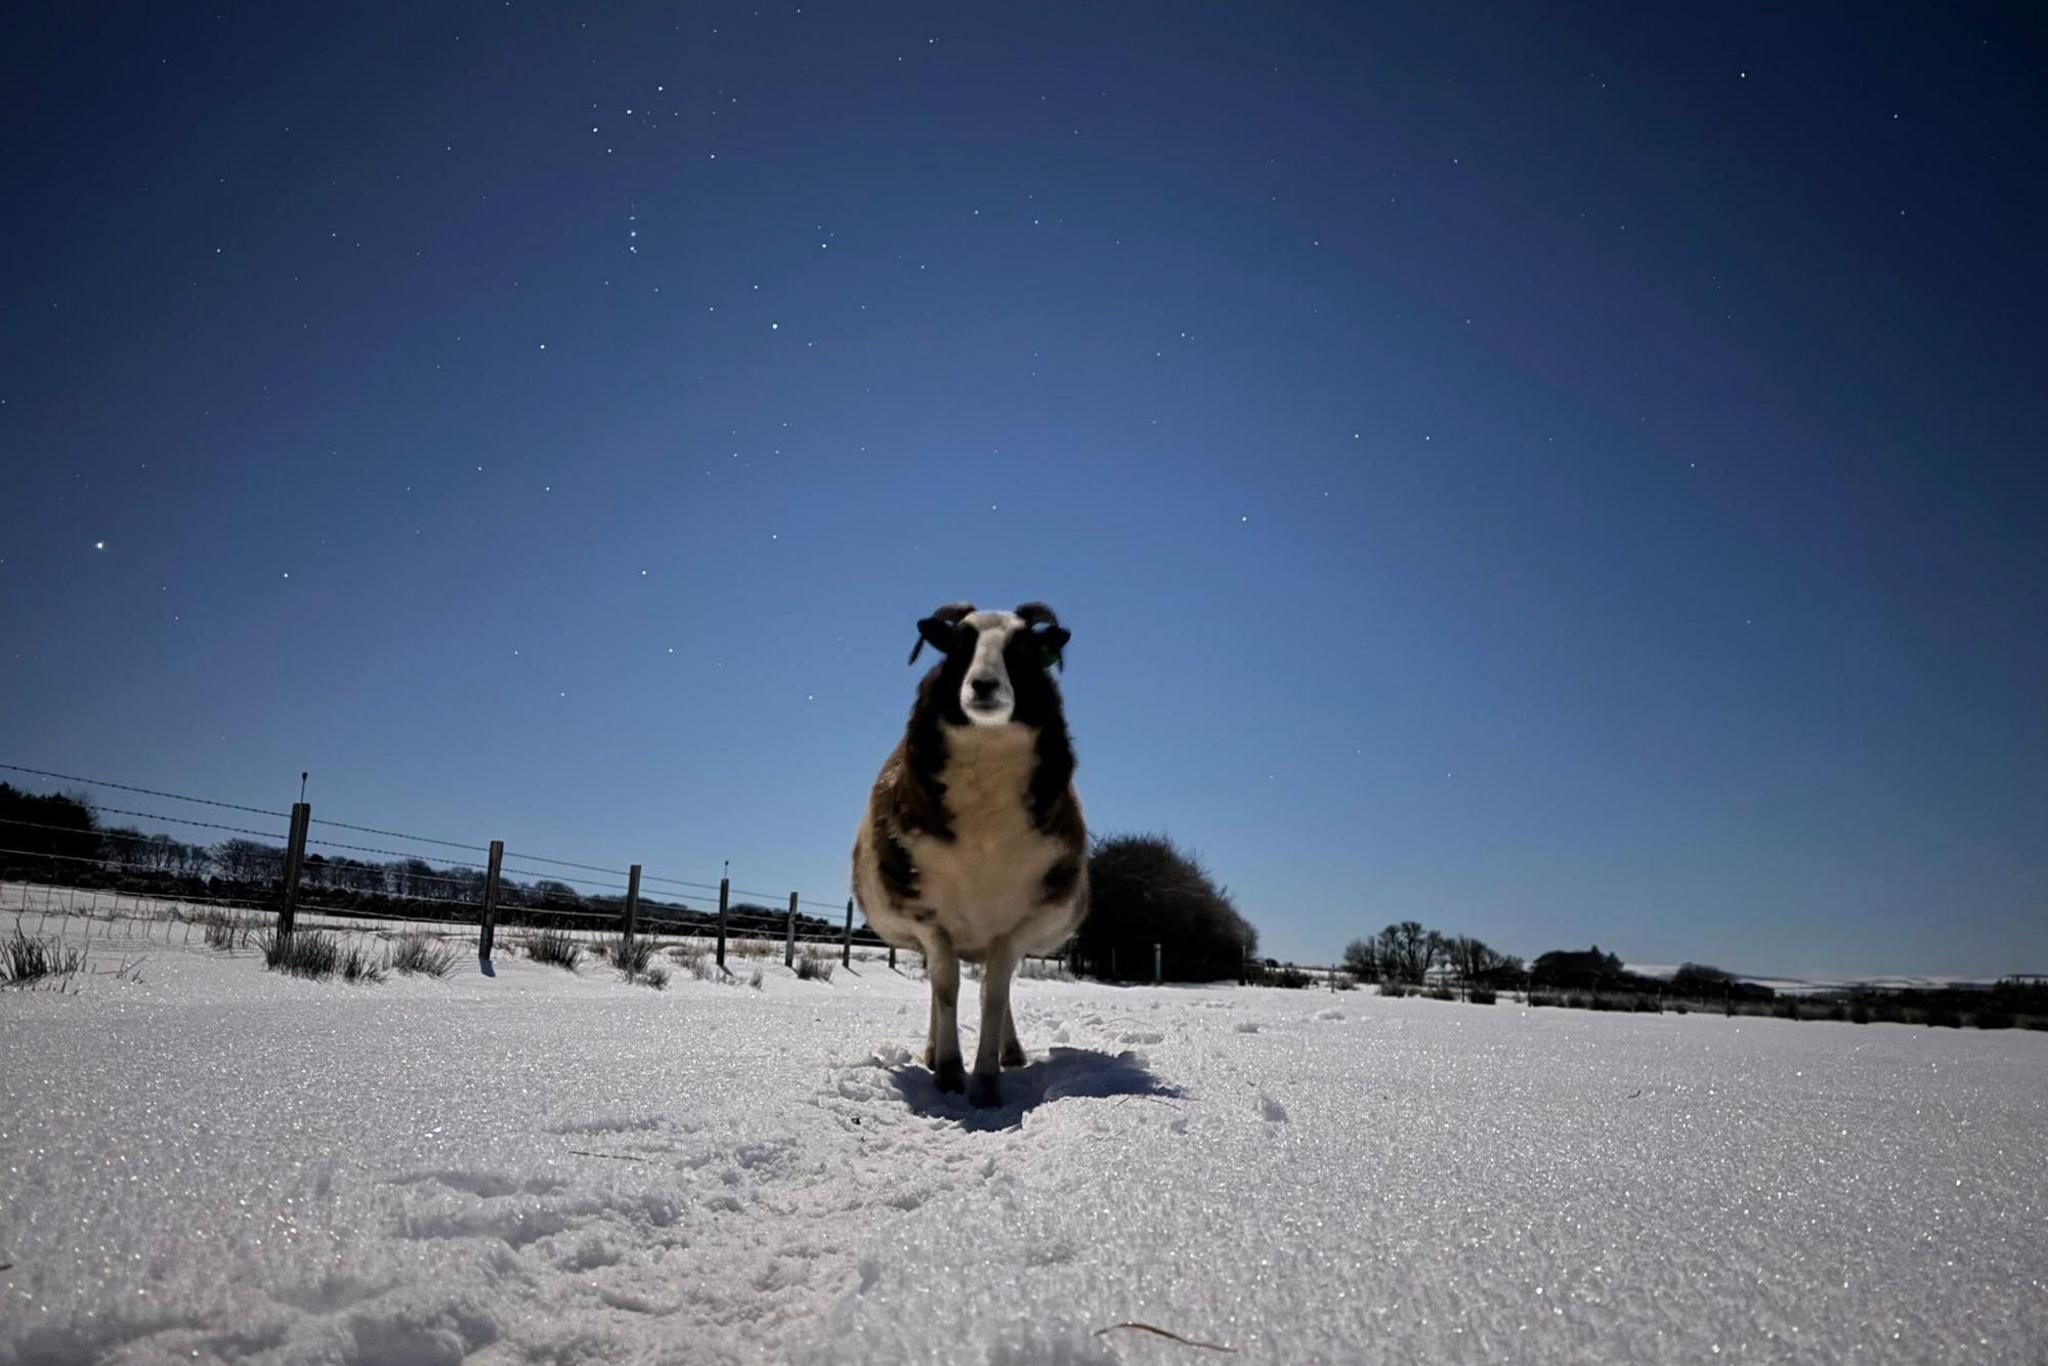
(488, 934)
(1158, 964)
(294, 859)
(789, 935)
(724, 895)
(892, 958)
(846, 942)
(632, 900)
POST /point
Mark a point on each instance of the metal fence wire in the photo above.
(283, 881)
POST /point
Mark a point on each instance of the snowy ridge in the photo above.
(217, 1164)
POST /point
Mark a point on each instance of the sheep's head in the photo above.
(996, 665)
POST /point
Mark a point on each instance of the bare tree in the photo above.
(1407, 951)
(1362, 959)
(1472, 961)
(247, 861)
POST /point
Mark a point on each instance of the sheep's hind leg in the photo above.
(982, 1088)
(942, 1043)
(1013, 1051)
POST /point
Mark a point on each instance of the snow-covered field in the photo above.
(218, 1164)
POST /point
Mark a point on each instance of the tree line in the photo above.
(1407, 954)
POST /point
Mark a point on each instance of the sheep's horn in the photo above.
(949, 613)
(1037, 614)
(1054, 638)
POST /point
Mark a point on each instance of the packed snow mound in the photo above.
(216, 1164)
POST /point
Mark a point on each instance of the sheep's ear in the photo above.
(938, 633)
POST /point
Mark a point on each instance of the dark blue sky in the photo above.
(1560, 480)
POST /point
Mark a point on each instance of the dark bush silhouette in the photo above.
(1704, 982)
(1143, 891)
(1578, 969)
(52, 834)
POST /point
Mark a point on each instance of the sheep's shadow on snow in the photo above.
(1061, 1073)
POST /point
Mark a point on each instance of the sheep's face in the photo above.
(995, 669)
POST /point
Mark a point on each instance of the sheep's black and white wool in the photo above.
(973, 848)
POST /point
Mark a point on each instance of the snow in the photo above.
(216, 1163)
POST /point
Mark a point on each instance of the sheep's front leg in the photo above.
(1013, 1050)
(982, 1088)
(942, 1040)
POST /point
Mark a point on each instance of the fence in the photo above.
(319, 879)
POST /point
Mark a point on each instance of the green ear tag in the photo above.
(1049, 658)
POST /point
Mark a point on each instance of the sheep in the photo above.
(972, 847)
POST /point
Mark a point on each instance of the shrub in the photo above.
(1441, 994)
(656, 976)
(1680, 1008)
(1837, 1011)
(1044, 969)
(28, 960)
(1578, 1000)
(1393, 989)
(419, 954)
(755, 980)
(1786, 1009)
(1143, 891)
(1482, 996)
(358, 966)
(1859, 1013)
(1542, 998)
(814, 967)
(1992, 1019)
(1649, 1005)
(223, 930)
(301, 953)
(317, 955)
(697, 962)
(1286, 975)
(629, 956)
(554, 946)
(1944, 1017)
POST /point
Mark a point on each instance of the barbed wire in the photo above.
(392, 853)
(771, 899)
(101, 862)
(83, 834)
(679, 882)
(400, 835)
(324, 872)
(556, 877)
(565, 863)
(182, 820)
(146, 791)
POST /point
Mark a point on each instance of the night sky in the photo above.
(1565, 481)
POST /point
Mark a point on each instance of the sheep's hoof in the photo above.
(950, 1075)
(1013, 1055)
(983, 1091)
